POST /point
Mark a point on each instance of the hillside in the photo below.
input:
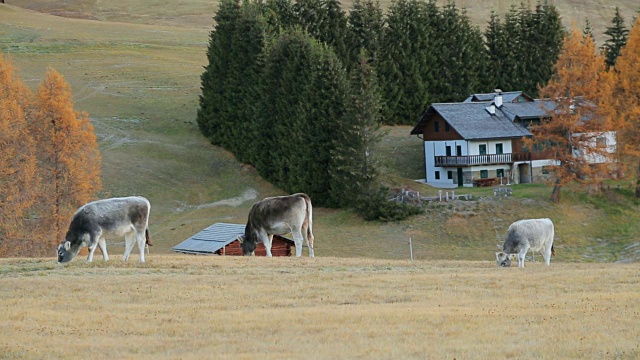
(199, 13)
(135, 69)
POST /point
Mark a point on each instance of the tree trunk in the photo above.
(555, 194)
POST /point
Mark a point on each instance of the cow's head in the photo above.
(503, 259)
(66, 252)
(248, 246)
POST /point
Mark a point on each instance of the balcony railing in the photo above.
(473, 160)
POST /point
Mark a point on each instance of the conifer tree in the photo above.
(617, 37)
(228, 83)
(354, 172)
(68, 156)
(325, 21)
(626, 97)
(409, 64)
(303, 106)
(18, 178)
(461, 56)
(366, 30)
(524, 48)
(588, 29)
(579, 87)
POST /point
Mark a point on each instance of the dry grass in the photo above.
(184, 307)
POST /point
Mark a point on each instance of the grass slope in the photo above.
(138, 78)
(324, 308)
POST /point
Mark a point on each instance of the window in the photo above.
(499, 149)
(484, 174)
(601, 142)
(500, 173)
(436, 126)
(447, 127)
(448, 150)
(437, 175)
(483, 149)
(449, 174)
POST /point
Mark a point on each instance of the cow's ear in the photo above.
(67, 245)
(500, 255)
(513, 256)
(240, 239)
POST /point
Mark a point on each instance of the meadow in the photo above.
(195, 307)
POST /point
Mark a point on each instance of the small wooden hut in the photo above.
(222, 239)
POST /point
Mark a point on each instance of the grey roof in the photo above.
(507, 97)
(211, 239)
(473, 122)
(528, 110)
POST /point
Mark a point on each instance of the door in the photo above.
(460, 177)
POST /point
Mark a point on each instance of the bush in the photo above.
(375, 205)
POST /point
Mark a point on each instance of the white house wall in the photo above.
(474, 146)
(439, 148)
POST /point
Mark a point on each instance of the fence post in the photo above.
(411, 249)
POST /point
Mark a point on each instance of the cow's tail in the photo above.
(147, 237)
(307, 200)
(553, 251)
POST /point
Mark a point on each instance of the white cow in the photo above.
(534, 234)
(128, 216)
(279, 215)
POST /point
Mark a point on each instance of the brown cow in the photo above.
(279, 215)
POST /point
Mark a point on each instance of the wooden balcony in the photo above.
(475, 160)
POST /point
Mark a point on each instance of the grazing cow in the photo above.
(279, 215)
(128, 216)
(534, 234)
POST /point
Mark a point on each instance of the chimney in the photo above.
(497, 100)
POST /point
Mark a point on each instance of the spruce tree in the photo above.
(228, 83)
(409, 64)
(366, 31)
(354, 171)
(325, 21)
(213, 112)
(461, 57)
(617, 35)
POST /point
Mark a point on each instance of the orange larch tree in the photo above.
(18, 180)
(579, 130)
(68, 156)
(626, 95)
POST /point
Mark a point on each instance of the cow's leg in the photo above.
(93, 243)
(142, 242)
(270, 244)
(307, 235)
(102, 242)
(129, 241)
(521, 254)
(546, 254)
(297, 239)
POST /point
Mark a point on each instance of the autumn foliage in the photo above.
(49, 164)
(626, 101)
(581, 121)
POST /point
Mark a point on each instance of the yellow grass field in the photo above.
(196, 307)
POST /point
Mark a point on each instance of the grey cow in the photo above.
(125, 216)
(279, 215)
(534, 234)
